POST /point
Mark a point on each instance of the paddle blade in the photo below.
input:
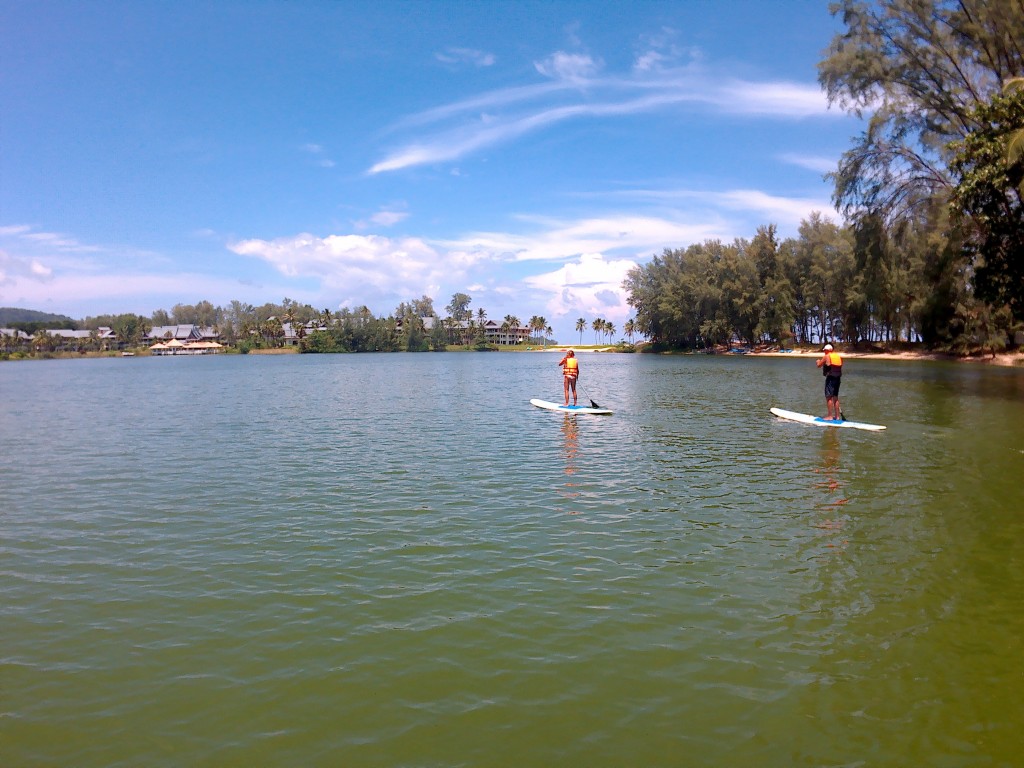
(594, 405)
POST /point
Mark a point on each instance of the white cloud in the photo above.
(559, 241)
(13, 268)
(772, 98)
(466, 56)
(650, 60)
(732, 210)
(815, 163)
(317, 151)
(45, 242)
(81, 294)
(788, 210)
(404, 266)
(590, 286)
(576, 90)
(574, 67)
(388, 218)
(489, 131)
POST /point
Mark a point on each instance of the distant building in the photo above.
(67, 340)
(493, 331)
(183, 333)
(175, 347)
(19, 337)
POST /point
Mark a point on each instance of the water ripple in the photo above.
(395, 560)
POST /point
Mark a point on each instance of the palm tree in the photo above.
(581, 325)
(629, 329)
(538, 324)
(609, 328)
(514, 324)
(533, 325)
(547, 334)
(276, 329)
(598, 326)
(42, 341)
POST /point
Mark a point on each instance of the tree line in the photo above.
(413, 326)
(931, 248)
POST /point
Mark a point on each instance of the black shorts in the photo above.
(832, 386)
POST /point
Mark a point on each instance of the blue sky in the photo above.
(527, 154)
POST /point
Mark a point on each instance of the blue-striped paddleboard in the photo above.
(570, 408)
(805, 418)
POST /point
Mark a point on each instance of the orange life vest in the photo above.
(833, 365)
(572, 366)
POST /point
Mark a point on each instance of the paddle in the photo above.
(587, 395)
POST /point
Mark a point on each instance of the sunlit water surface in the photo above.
(394, 560)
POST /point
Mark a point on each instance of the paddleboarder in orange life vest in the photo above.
(832, 367)
(570, 372)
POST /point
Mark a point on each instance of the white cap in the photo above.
(827, 348)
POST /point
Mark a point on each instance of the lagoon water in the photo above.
(393, 560)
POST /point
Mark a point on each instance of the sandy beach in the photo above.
(1008, 359)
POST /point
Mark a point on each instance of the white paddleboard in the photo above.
(569, 408)
(805, 418)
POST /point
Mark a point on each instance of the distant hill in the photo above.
(11, 315)
(31, 321)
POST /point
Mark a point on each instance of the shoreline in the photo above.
(1003, 359)
(1013, 359)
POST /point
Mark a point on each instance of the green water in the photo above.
(393, 560)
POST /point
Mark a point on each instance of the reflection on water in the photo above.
(570, 449)
(832, 500)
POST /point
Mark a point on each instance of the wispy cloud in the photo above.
(574, 67)
(389, 218)
(576, 87)
(488, 131)
(466, 56)
(44, 242)
(318, 152)
(81, 294)
(559, 241)
(815, 163)
(13, 268)
(731, 206)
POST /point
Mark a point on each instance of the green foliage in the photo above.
(865, 283)
(438, 336)
(919, 67)
(930, 73)
(129, 328)
(458, 307)
(987, 200)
